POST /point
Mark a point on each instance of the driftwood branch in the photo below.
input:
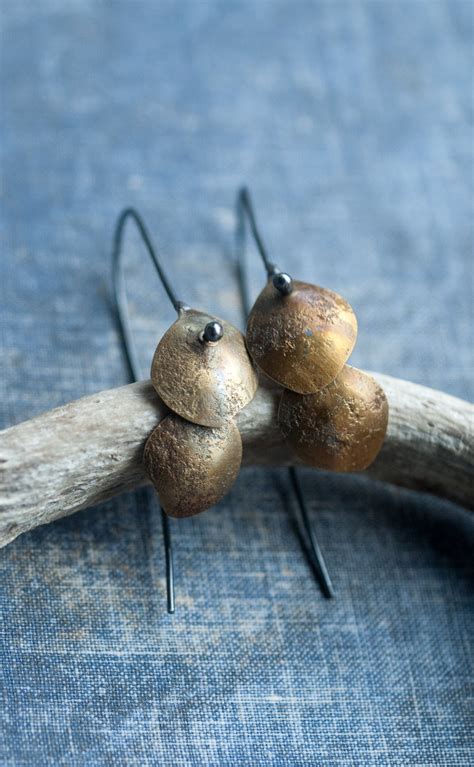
(90, 450)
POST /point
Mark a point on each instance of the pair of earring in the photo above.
(300, 336)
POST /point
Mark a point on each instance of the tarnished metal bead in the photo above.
(341, 427)
(283, 283)
(213, 332)
(301, 340)
(192, 467)
(206, 383)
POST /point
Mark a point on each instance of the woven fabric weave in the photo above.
(351, 122)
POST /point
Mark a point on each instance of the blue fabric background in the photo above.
(351, 121)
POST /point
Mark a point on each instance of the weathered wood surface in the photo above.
(87, 451)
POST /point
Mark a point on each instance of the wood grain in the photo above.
(90, 450)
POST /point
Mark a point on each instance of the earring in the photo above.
(203, 373)
(306, 535)
(301, 336)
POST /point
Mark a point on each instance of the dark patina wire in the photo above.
(130, 352)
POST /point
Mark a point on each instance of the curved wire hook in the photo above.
(123, 316)
(245, 208)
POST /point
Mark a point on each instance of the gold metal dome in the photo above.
(206, 382)
(301, 339)
(340, 427)
(192, 467)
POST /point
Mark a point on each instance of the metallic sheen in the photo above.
(341, 427)
(205, 383)
(213, 332)
(283, 283)
(192, 467)
(301, 340)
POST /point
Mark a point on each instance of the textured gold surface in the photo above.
(302, 340)
(341, 427)
(192, 467)
(205, 383)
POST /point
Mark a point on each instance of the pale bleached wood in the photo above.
(90, 450)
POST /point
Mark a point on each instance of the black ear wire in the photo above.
(281, 280)
(283, 283)
(123, 316)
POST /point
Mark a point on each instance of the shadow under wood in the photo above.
(413, 519)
